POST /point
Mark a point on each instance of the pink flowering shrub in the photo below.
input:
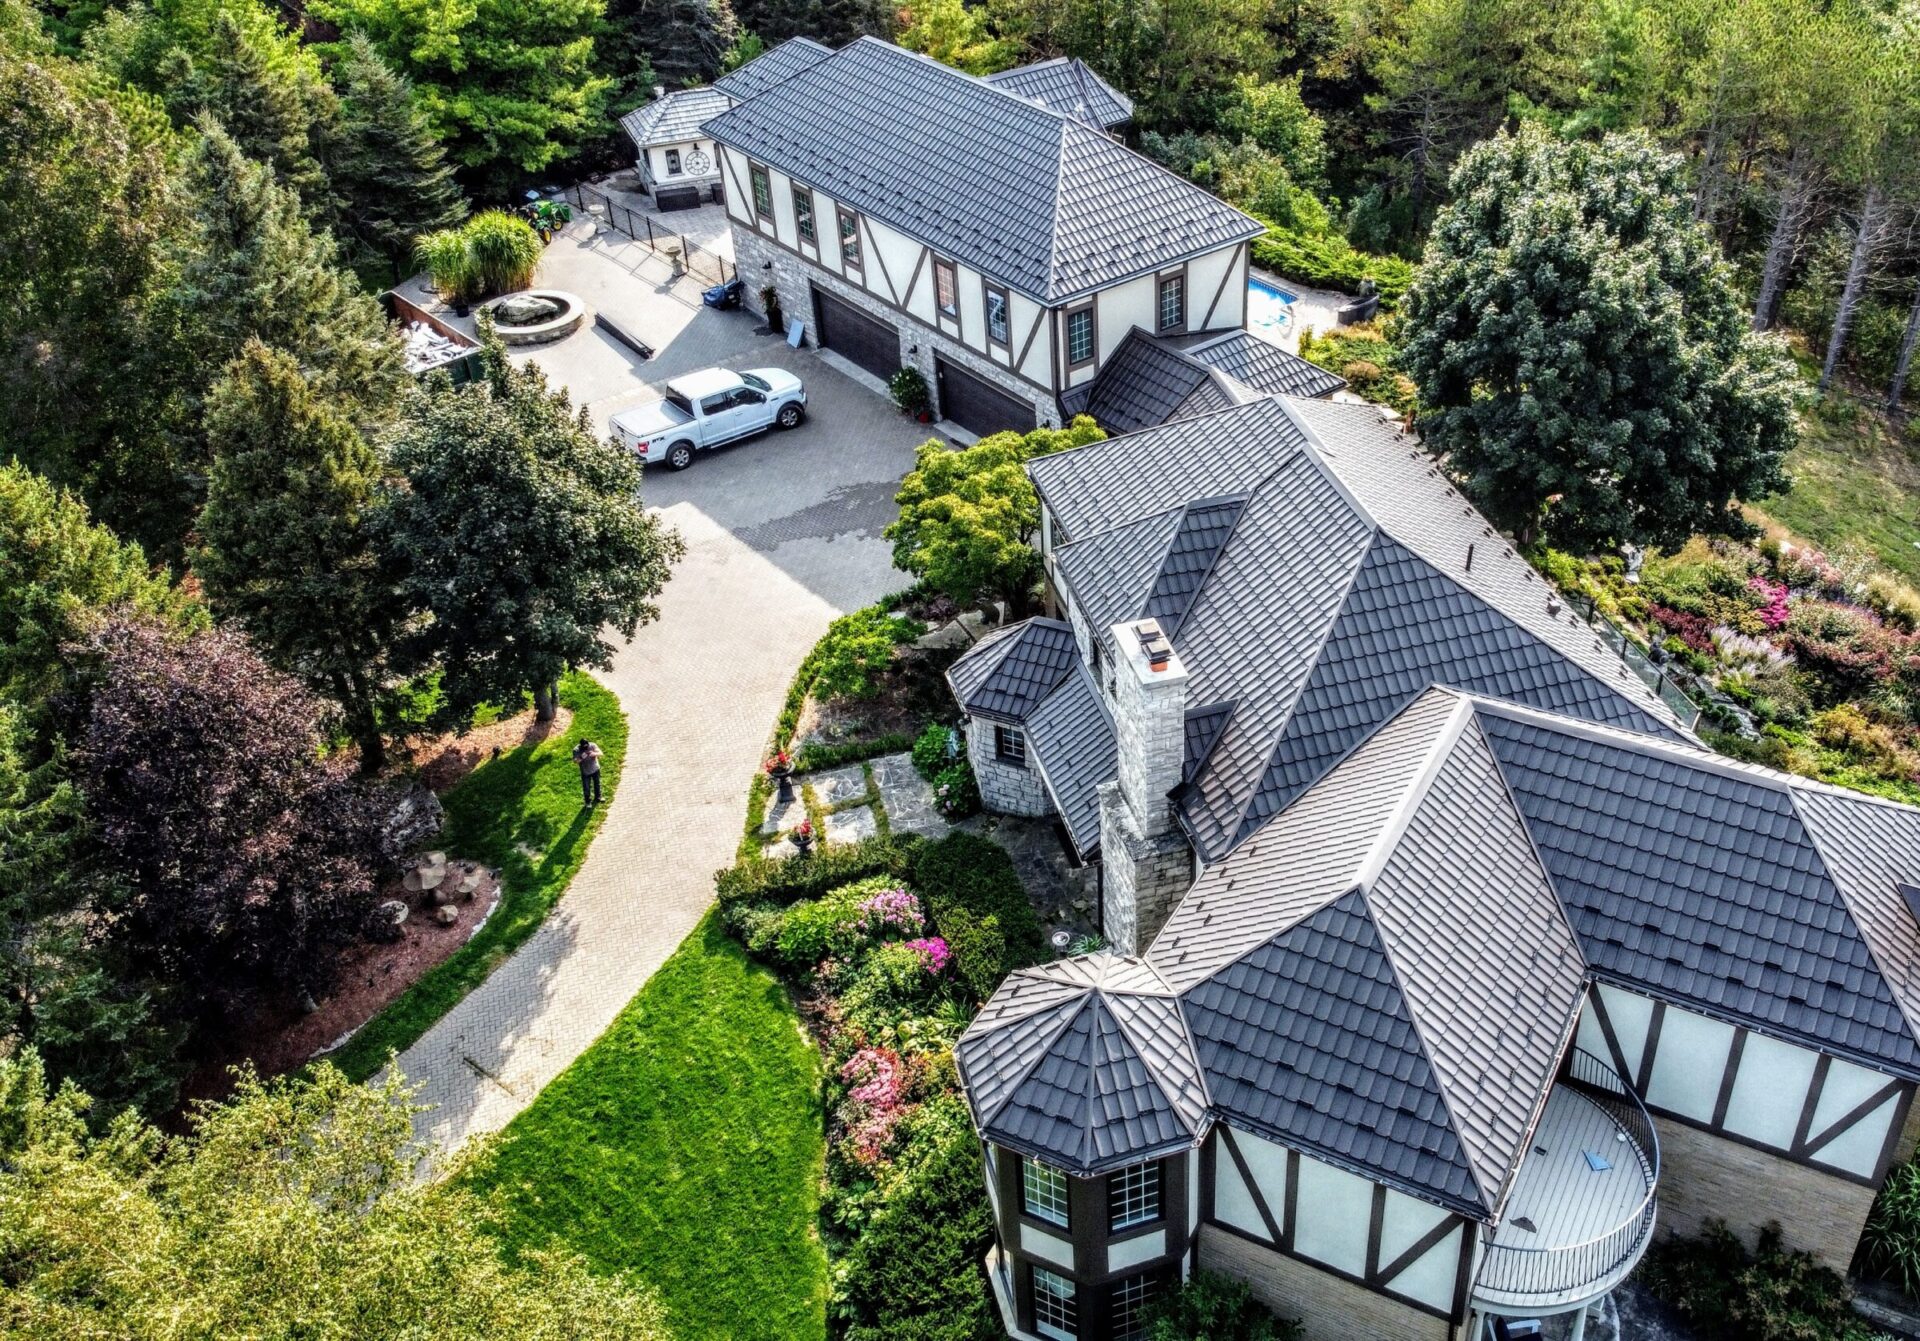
(1773, 601)
(890, 910)
(877, 1084)
(933, 949)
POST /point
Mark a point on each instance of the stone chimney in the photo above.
(1146, 863)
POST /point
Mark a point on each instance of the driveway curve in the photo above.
(782, 534)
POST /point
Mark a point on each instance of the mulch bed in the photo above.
(912, 693)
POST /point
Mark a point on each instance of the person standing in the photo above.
(587, 755)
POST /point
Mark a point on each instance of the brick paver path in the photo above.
(782, 535)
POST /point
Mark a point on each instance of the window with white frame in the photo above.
(1173, 302)
(997, 327)
(1127, 1305)
(762, 189)
(1055, 1314)
(1080, 337)
(1133, 1195)
(1010, 745)
(849, 238)
(1045, 1191)
(803, 213)
(673, 162)
(946, 287)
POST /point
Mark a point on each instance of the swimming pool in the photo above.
(1267, 307)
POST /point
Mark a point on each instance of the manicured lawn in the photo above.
(1855, 481)
(520, 814)
(686, 1146)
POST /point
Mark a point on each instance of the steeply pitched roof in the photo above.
(1070, 738)
(1009, 672)
(1265, 367)
(673, 118)
(1084, 1062)
(772, 67)
(1323, 609)
(1048, 206)
(1067, 86)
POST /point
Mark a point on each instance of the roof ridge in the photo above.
(1186, 1036)
(1418, 787)
(1059, 188)
(1070, 1010)
(1188, 421)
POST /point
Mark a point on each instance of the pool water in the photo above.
(1267, 307)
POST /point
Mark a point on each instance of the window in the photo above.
(1054, 1312)
(946, 287)
(803, 214)
(1133, 1195)
(1010, 746)
(762, 190)
(719, 404)
(1173, 302)
(745, 396)
(997, 316)
(849, 237)
(1128, 1305)
(1046, 1191)
(1080, 337)
(673, 162)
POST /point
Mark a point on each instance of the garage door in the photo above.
(976, 404)
(845, 329)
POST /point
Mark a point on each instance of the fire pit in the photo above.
(535, 316)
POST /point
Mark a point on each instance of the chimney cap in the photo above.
(1154, 643)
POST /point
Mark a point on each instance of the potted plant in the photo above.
(909, 390)
(779, 767)
(770, 300)
(802, 837)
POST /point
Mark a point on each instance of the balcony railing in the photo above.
(1527, 1269)
(1678, 701)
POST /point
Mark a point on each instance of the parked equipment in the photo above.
(724, 295)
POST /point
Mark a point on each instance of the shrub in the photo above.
(908, 387)
(503, 250)
(816, 928)
(977, 902)
(915, 1272)
(1847, 651)
(956, 794)
(858, 648)
(1364, 355)
(795, 878)
(1772, 1294)
(443, 255)
(1212, 1307)
(1330, 261)
(1894, 601)
(930, 749)
(1890, 1245)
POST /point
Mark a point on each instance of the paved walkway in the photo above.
(783, 534)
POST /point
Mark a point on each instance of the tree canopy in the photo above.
(1575, 335)
(290, 1210)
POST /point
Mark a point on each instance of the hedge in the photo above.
(827, 868)
(979, 905)
(1330, 261)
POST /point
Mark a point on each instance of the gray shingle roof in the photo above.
(773, 67)
(1009, 672)
(1070, 738)
(1265, 367)
(1085, 1063)
(1067, 86)
(1027, 196)
(676, 117)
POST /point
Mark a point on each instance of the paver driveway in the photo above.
(783, 534)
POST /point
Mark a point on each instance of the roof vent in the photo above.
(1912, 896)
(1154, 643)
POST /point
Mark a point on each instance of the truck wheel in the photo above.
(790, 415)
(680, 455)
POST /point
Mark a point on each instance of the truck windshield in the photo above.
(757, 383)
(680, 403)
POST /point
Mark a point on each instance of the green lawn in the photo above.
(686, 1146)
(1854, 480)
(520, 814)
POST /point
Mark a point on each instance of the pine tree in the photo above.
(255, 269)
(390, 176)
(286, 551)
(685, 41)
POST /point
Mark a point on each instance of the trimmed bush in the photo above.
(1330, 261)
(930, 749)
(975, 899)
(1212, 1307)
(1890, 1247)
(956, 792)
(1773, 1294)
(794, 878)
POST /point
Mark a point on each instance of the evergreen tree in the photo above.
(521, 533)
(287, 552)
(254, 269)
(1574, 334)
(683, 41)
(389, 174)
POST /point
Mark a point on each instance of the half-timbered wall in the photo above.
(1788, 1099)
(1216, 300)
(1371, 1234)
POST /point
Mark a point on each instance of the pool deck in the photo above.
(1312, 309)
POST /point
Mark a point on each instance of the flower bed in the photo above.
(1799, 660)
(890, 948)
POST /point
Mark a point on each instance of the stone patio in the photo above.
(908, 797)
(850, 826)
(837, 786)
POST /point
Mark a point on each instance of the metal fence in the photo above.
(1629, 651)
(675, 248)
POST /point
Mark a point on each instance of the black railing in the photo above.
(1528, 1275)
(1629, 651)
(676, 249)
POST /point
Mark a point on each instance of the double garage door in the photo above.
(846, 330)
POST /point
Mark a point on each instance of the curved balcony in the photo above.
(1583, 1203)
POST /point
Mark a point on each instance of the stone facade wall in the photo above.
(1150, 731)
(1703, 1176)
(792, 277)
(1141, 878)
(1329, 1308)
(1009, 790)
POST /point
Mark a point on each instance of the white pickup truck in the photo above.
(709, 407)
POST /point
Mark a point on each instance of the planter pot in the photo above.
(462, 308)
(782, 782)
(802, 845)
(925, 416)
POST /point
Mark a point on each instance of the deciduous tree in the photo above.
(520, 532)
(290, 1210)
(968, 517)
(1574, 333)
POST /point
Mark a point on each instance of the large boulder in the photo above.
(525, 309)
(416, 818)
